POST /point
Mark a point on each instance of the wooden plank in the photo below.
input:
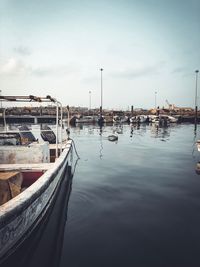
(7, 175)
(10, 185)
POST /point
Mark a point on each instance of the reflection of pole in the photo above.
(101, 107)
(155, 100)
(195, 120)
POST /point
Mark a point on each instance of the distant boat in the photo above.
(134, 119)
(143, 118)
(163, 119)
(86, 119)
(139, 119)
(116, 119)
(120, 119)
(172, 119)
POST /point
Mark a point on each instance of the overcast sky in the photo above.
(57, 47)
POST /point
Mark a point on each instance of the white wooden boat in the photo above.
(30, 176)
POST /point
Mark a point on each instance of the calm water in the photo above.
(135, 202)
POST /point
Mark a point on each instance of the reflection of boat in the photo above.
(29, 183)
(155, 119)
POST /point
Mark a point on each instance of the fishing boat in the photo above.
(172, 119)
(135, 119)
(30, 177)
(120, 119)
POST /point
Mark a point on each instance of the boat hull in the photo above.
(21, 215)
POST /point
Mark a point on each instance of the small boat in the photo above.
(120, 119)
(135, 119)
(143, 118)
(86, 119)
(30, 179)
(116, 119)
(172, 119)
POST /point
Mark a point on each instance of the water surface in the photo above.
(134, 202)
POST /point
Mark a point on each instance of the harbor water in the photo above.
(134, 202)
(131, 202)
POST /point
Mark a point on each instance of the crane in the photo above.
(171, 106)
(168, 103)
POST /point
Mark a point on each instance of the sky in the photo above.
(148, 49)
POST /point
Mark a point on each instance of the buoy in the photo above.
(112, 137)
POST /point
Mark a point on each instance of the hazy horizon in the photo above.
(144, 46)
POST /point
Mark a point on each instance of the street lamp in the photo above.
(101, 107)
(89, 100)
(1, 101)
(155, 100)
(196, 71)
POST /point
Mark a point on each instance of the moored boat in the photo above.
(30, 177)
(86, 119)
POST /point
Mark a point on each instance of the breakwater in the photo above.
(52, 119)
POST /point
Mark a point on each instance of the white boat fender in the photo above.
(112, 137)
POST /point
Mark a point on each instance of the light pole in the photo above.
(89, 101)
(101, 107)
(1, 101)
(195, 120)
(155, 100)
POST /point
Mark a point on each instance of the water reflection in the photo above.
(160, 132)
(149, 209)
(101, 142)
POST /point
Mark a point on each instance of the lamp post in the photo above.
(101, 107)
(195, 120)
(155, 100)
(1, 101)
(89, 101)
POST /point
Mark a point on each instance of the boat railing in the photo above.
(32, 98)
